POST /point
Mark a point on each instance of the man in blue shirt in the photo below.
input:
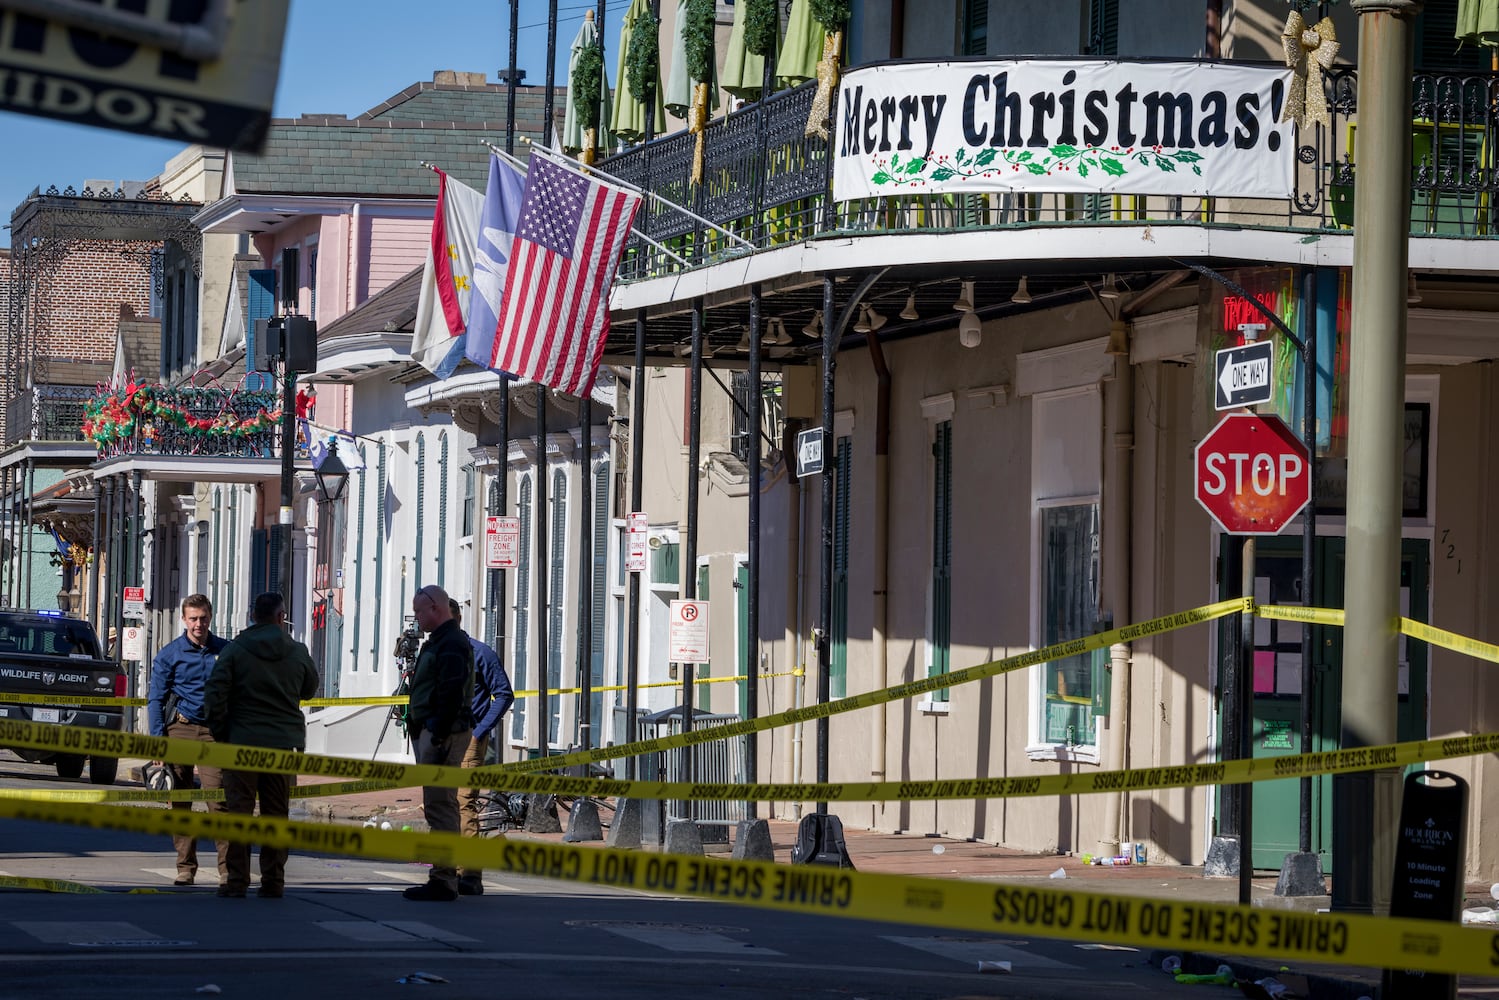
(492, 699)
(175, 708)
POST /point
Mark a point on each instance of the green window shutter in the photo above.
(521, 658)
(218, 538)
(359, 556)
(380, 488)
(421, 502)
(704, 699)
(942, 553)
(838, 639)
(746, 645)
(442, 513)
(259, 544)
(1103, 28)
(1437, 51)
(261, 304)
(555, 600)
(600, 594)
(975, 27)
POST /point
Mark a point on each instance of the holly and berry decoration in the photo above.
(139, 411)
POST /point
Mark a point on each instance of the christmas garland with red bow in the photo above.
(138, 410)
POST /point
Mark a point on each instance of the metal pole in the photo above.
(544, 620)
(1308, 537)
(1230, 821)
(637, 490)
(498, 576)
(1245, 710)
(511, 82)
(830, 331)
(547, 107)
(93, 563)
(689, 545)
(28, 493)
(286, 518)
(585, 574)
(752, 554)
(1376, 409)
(119, 558)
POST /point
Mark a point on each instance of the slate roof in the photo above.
(379, 153)
(391, 310)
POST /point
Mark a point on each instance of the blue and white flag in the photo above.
(497, 224)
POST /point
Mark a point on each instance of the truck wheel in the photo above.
(103, 770)
(69, 765)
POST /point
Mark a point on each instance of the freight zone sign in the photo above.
(167, 71)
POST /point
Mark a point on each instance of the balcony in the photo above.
(47, 413)
(198, 422)
(770, 184)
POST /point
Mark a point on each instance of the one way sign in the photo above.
(1241, 375)
(809, 452)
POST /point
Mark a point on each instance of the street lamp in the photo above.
(332, 475)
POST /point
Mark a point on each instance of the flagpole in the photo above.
(644, 193)
(520, 165)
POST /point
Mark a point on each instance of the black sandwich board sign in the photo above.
(1429, 865)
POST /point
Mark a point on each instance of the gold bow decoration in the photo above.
(827, 79)
(1310, 49)
(590, 144)
(697, 124)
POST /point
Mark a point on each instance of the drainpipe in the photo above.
(351, 271)
(1117, 517)
(798, 657)
(881, 569)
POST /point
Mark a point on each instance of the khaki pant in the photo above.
(240, 791)
(441, 804)
(468, 799)
(182, 777)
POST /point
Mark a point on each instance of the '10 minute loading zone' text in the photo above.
(696, 877)
(994, 116)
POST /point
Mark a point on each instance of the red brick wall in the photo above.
(78, 302)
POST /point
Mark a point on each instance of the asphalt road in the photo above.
(343, 930)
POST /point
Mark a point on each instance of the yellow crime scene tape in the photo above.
(321, 790)
(1284, 936)
(1450, 640)
(1296, 613)
(370, 775)
(898, 692)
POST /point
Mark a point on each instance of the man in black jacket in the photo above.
(440, 720)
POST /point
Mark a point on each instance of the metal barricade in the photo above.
(715, 762)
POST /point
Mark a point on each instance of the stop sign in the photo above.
(1253, 474)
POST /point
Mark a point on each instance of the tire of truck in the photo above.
(69, 765)
(103, 770)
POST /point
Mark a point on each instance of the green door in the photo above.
(1276, 673)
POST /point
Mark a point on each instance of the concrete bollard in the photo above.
(624, 832)
(583, 823)
(541, 815)
(752, 841)
(682, 837)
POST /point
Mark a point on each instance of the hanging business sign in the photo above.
(1075, 126)
(193, 73)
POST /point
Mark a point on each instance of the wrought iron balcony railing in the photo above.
(47, 413)
(767, 181)
(204, 421)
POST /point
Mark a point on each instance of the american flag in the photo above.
(554, 315)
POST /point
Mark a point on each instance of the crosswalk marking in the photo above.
(205, 876)
(680, 940)
(390, 931)
(83, 932)
(416, 878)
(971, 951)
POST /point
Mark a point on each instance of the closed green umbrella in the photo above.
(1478, 22)
(680, 82)
(801, 48)
(629, 118)
(743, 71)
(575, 124)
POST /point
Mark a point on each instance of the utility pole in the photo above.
(1366, 807)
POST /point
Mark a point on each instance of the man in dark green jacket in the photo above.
(254, 699)
(439, 721)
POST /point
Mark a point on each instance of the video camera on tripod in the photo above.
(408, 645)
